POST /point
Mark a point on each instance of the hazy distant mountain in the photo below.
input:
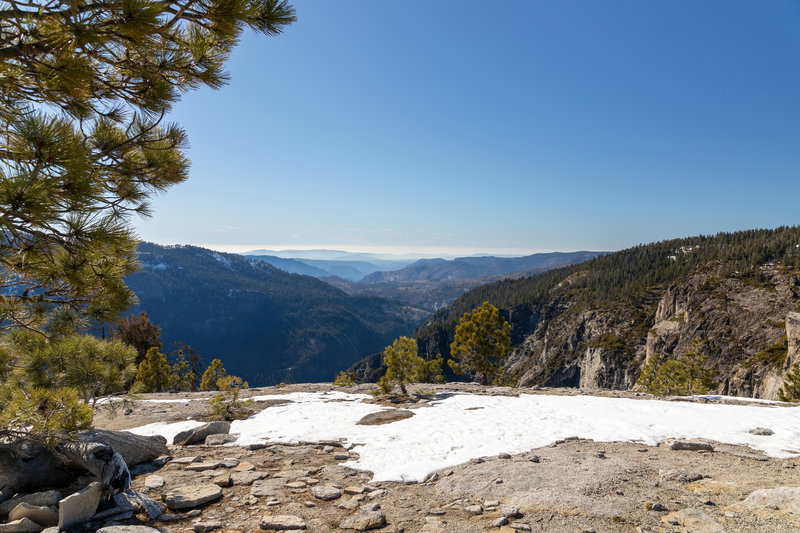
(346, 265)
(464, 268)
(293, 266)
(265, 324)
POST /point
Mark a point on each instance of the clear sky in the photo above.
(509, 126)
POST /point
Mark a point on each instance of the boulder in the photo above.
(139, 502)
(48, 498)
(194, 496)
(42, 515)
(219, 439)
(365, 521)
(79, 507)
(23, 525)
(326, 493)
(282, 522)
(198, 435)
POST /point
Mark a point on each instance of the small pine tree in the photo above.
(227, 405)
(699, 379)
(212, 375)
(431, 371)
(482, 341)
(648, 378)
(154, 374)
(344, 379)
(790, 391)
(182, 377)
(402, 362)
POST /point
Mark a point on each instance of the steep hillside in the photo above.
(463, 268)
(267, 325)
(596, 323)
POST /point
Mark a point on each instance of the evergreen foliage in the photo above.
(684, 376)
(790, 390)
(212, 375)
(84, 88)
(139, 332)
(227, 405)
(343, 379)
(154, 373)
(402, 365)
(481, 342)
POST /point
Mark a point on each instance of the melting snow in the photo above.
(455, 429)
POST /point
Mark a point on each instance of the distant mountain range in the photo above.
(265, 324)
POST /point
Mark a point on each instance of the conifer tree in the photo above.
(84, 88)
(138, 331)
(482, 341)
(403, 365)
(154, 374)
(212, 375)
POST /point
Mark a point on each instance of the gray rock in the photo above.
(244, 466)
(203, 466)
(691, 445)
(534, 458)
(194, 496)
(509, 511)
(154, 482)
(504, 455)
(657, 507)
(365, 521)
(188, 460)
(350, 505)
(230, 462)
(500, 522)
(247, 478)
(48, 498)
(520, 526)
(763, 432)
(266, 487)
(127, 529)
(342, 456)
(219, 439)
(385, 417)
(203, 527)
(223, 479)
(198, 435)
(79, 507)
(282, 522)
(23, 525)
(326, 493)
(370, 507)
(42, 515)
(474, 509)
(785, 499)
(139, 502)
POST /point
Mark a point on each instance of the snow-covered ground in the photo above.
(454, 429)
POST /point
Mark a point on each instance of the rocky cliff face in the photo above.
(750, 328)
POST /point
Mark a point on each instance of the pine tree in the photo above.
(482, 341)
(154, 374)
(138, 331)
(212, 375)
(790, 390)
(84, 88)
(403, 365)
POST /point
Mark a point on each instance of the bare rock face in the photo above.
(194, 496)
(793, 337)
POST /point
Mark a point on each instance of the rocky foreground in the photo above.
(572, 486)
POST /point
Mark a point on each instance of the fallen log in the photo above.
(30, 466)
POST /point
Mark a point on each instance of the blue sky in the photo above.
(513, 126)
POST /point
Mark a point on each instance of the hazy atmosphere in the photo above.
(507, 127)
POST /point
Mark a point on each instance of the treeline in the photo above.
(628, 276)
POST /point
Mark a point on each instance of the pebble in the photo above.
(509, 511)
(500, 522)
(474, 509)
(534, 458)
(326, 493)
(203, 527)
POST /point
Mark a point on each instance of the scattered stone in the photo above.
(491, 503)
(220, 439)
(133, 500)
(198, 435)
(295, 485)
(282, 522)
(23, 525)
(256, 446)
(509, 511)
(679, 475)
(500, 522)
(504, 455)
(171, 517)
(49, 498)
(474, 509)
(203, 466)
(534, 458)
(476, 460)
(79, 507)
(326, 493)
(762, 432)
(230, 462)
(520, 526)
(341, 456)
(194, 513)
(385, 417)
(354, 490)
(247, 478)
(600, 455)
(309, 504)
(154, 482)
(656, 507)
(42, 515)
(691, 445)
(223, 479)
(266, 487)
(376, 493)
(188, 460)
(369, 507)
(365, 521)
(244, 466)
(203, 527)
(328, 449)
(350, 505)
(192, 496)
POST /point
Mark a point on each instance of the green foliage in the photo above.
(790, 390)
(45, 413)
(402, 364)
(481, 342)
(227, 405)
(154, 373)
(212, 375)
(682, 377)
(139, 332)
(431, 371)
(84, 88)
(772, 356)
(182, 376)
(343, 379)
